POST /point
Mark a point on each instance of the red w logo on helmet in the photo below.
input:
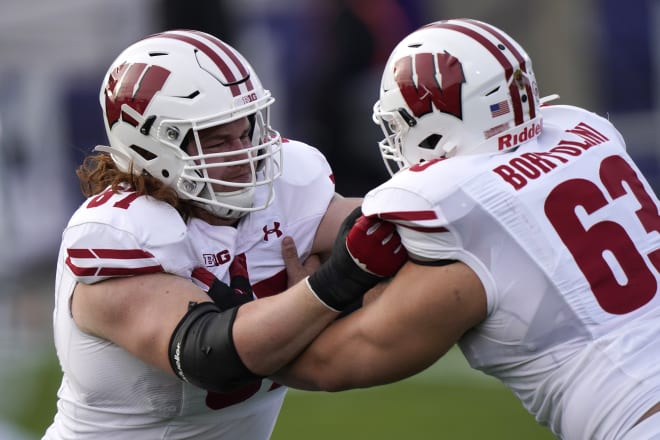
(134, 85)
(421, 97)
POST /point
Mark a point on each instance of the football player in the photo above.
(533, 238)
(193, 210)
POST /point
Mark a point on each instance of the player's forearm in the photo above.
(309, 373)
(293, 378)
(271, 332)
(338, 359)
(331, 371)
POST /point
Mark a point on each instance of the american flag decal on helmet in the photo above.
(499, 109)
(493, 41)
(235, 72)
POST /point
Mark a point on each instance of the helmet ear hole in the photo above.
(430, 142)
(147, 155)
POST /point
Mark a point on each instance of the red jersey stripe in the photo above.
(408, 215)
(114, 254)
(126, 271)
(425, 229)
(272, 285)
(111, 271)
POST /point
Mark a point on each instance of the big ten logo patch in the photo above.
(211, 260)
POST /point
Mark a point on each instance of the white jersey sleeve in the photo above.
(121, 235)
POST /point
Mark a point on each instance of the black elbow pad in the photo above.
(202, 350)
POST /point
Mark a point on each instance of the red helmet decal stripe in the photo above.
(134, 85)
(427, 93)
(219, 62)
(499, 56)
(230, 53)
(521, 60)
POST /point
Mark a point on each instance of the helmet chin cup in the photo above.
(243, 198)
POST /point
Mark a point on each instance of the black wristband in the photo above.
(339, 281)
(355, 305)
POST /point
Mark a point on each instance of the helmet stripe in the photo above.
(498, 55)
(521, 60)
(230, 53)
(213, 55)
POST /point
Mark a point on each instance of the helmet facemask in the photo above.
(229, 198)
(161, 92)
(394, 128)
(402, 146)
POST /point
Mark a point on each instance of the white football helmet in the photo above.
(161, 91)
(452, 88)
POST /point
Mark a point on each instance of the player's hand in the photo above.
(224, 296)
(295, 269)
(366, 250)
(375, 246)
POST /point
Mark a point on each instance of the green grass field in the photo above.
(407, 410)
(447, 401)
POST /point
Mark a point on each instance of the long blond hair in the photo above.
(99, 171)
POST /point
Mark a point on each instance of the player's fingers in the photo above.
(289, 250)
(294, 268)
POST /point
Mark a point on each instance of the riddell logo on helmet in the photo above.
(512, 139)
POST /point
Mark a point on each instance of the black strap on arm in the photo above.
(202, 350)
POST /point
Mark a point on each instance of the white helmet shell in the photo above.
(452, 88)
(163, 90)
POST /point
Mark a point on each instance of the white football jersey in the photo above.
(564, 234)
(108, 394)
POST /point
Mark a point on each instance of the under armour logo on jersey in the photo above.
(275, 230)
